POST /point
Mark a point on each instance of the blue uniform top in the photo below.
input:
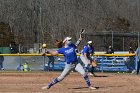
(88, 50)
(69, 53)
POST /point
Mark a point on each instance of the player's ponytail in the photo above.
(59, 43)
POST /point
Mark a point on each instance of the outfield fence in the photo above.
(105, 62)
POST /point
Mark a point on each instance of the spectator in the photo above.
(131, 62)
(51, 59)
(51, 62)
(1, 61)
(110, 50)
(138, 62)
(26, 67)
(131, 50)
(20, 67)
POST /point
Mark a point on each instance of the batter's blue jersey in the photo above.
(69, 53)
(88, 50)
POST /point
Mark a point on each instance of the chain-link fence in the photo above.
(120, 41)
(37, 62)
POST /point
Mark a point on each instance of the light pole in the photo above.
(138, 38)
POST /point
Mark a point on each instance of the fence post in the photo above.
(44, 59)
(20, 61)
(136, 62)
(123, 44)
(112, 39)
(102, 63)
(138, 39)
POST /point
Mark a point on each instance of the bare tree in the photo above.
(44, 21)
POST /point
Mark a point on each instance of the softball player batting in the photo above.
(86, 58)
(71, 62)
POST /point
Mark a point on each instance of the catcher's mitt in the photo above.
(94, 63)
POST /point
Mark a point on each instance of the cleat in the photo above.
(92, 88)
(90, 74)
(133, 72)
(94, 75)
(46, 87)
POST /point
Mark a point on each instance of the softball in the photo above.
(44, 45)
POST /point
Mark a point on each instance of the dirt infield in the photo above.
(32, 82)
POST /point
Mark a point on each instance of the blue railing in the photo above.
(105, 64)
